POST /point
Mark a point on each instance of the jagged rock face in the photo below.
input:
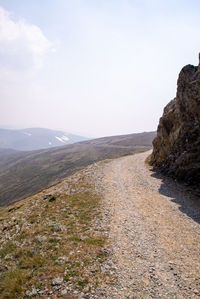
(176, 149)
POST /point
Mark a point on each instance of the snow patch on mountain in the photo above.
(65, 138)
(62, 139)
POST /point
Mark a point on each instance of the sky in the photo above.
(93, 67)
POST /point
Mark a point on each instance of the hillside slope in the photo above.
(116, 229)
(23, 174)
(54, 246)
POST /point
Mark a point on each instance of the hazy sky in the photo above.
(93, 67)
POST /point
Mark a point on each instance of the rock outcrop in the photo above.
(176, 149)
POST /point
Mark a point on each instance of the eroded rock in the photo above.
(176, 149)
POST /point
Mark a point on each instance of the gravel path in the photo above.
(155, 232)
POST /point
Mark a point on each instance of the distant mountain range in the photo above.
(35, 138)
(24, 173)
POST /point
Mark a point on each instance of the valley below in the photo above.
(23, 174)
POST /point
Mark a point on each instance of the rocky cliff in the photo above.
(176, 149)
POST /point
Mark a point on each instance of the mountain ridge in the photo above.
(36, 138)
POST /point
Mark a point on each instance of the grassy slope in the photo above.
(57, 237)
(24, 174)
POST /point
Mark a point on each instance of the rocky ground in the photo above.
(154, 232)
(115, 230)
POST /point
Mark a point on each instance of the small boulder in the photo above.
(33, 292)
(57, 281)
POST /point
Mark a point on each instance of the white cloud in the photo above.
(22, 45)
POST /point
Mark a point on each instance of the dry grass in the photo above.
(45, 239)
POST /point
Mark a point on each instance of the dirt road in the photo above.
(154, 231)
